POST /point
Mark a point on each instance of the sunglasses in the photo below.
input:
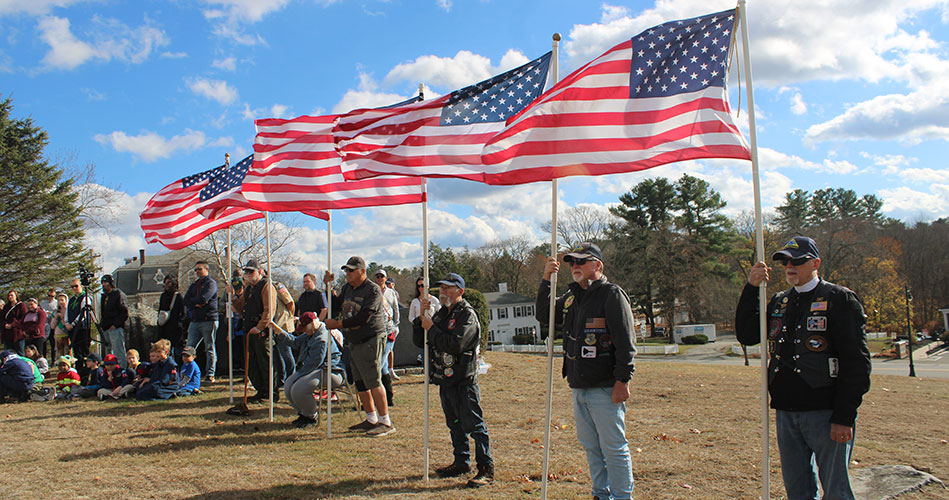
(419, 285)
(350, 271)
(580, 262)
(51, 296)
(794, 262)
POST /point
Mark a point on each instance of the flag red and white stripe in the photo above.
(172, 219)
(296, 167)
(588, 123)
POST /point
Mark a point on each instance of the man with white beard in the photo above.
(598, 352)
(454, 334)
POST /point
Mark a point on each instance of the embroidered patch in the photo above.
(817, 323)
(451, 324)
(772, 346)
(587, 351)
(567, 303)
(819, 306)
(784, 300)
(590, 338)
(833, 367)
(449, 372)
(816, 343)
(447, 359)
(596, 323)
(605, 341)
(774, 328)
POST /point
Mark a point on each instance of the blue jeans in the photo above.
(462, 406)
(808, 453)
(283, 361)
(385, 356)
(116, 339)
(204, 331)
(601, 430)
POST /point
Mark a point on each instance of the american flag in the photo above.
(655, 99)
(224, 190)
(296, 167)
(438, 138)
(172, 219)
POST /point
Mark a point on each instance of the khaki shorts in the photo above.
(366, 359)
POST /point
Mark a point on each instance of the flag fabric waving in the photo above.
(443, 137)
(172, 219)
(296, 167)
(224, 191)
(655, 99)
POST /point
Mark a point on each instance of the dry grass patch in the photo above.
(693, 432)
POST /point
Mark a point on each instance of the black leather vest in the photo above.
(807, 328)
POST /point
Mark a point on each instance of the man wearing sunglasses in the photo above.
(818, 371)
(598, 352)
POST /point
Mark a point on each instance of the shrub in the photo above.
(523, 339)
(698, 338)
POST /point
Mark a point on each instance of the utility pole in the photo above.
(909, 332)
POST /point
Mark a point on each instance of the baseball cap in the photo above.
(107, 278)
(382, 272)
(797, 247)
(354, 262)
(452, 279)
(190, 351)
(94, 357)
(111, 359)
(585, 250)
(390, 280)
(251, 265)
(305, 319)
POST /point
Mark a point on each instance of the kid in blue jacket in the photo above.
(189, 378)
(162, 382)
(16, 376)
(94, 380)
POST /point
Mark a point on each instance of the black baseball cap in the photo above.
(796, 248)
(585, 250)
(251, 265)
(354, 262)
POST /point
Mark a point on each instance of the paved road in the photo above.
(936, 366)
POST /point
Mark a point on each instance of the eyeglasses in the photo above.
(350, 271)
(419, 285)
(580, 262)
(795, 262)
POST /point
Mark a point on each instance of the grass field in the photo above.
(693, 432)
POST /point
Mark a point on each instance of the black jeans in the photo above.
(462, 406)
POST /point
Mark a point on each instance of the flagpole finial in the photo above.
(227, 158)
(556, 37)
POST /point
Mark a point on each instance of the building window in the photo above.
(502, 313)
(490, 314)
(518, 311)
(490, 335)
(528, 310)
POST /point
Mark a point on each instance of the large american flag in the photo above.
(655, 99)
(296, 167)
(443, 137)
(171, 217)
(225, 190)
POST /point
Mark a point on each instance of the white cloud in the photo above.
(912, 118)
(770, 159)
(798, 106)
(150, 146)
(110, 39)
(906, 203)
(787, 46)
(174, 55)
(444, 5)
(32, 7)
(891, 163)
(226, 64)
(368, 95)
(925, 175)
(217, 90)
(274, 111)
(451, 73)
(229, 17)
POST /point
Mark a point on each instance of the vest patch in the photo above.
(596, 323)
(451, 324)
(588, 351)
(817, 323)
(774, 328)
(605, 342)
(567, 303)
(590, 338)
(833, 367)
(819, 306)
(816, 343)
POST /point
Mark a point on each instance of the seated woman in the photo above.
(309, 340)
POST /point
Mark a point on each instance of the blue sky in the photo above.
(852, 95)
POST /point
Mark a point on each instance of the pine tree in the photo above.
(40, 229)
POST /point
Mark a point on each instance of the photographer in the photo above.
(78, 325)
(114, 315)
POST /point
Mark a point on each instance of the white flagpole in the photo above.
(329, 336)
(554, 77)
(423, 295)
(269, 329)
(229, 315)
(759, 244)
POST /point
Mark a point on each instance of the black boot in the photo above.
(485, 477)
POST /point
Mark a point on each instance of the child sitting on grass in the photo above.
(41, 364)
(67, 379)
(94, 382)
(189, 377)
(115, 378)
(162, 381)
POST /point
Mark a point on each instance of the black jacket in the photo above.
(310, 301)
(173, 328)
(818, 356)
(360, 312)
(113, 310)
(201, 300)
(453, 344)
(598, 345)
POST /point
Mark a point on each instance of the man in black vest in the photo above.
(454, 334)
(818, 372)
(256, 307)
(599, 353)
(311, 300)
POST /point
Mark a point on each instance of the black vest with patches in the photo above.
(254, 305)
(799, 337)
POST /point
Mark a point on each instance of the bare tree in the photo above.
(504, 261)
(97, 201)
(581, 223)
(249, 241)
